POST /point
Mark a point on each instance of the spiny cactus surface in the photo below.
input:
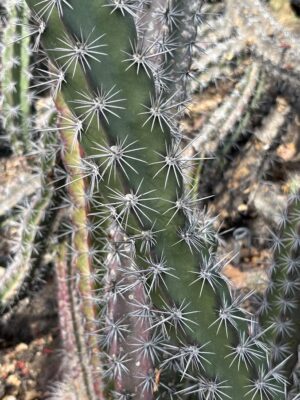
(140, 288)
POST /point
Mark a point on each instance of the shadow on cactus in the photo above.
(144, 310)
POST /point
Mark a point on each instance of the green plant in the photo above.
(162, 322)
(15, 76)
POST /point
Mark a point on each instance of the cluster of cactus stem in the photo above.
(246, 49)
(144, 309)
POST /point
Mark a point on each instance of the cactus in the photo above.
(247, 31)
(16, 100)
(167, 323)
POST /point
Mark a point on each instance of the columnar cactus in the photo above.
(167, 324)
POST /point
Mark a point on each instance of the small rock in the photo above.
(30, 384)
(242, 208)
(287, 151)
(13, 380)
(9, 398)
(21, 347)
(6, 369)
(32, 395)
(13, 384)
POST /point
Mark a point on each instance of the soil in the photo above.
(29, 343)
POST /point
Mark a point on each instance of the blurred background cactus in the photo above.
(113, 202)
(16, 100)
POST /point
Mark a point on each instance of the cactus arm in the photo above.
(240, 107)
